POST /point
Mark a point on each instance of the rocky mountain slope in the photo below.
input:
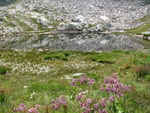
(72, 15)
(6, 2)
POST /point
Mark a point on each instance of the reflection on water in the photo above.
(80, 42)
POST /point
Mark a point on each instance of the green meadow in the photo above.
(33, 77)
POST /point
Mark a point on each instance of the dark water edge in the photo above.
(72, 42)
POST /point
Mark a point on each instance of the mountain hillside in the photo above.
(73, 15)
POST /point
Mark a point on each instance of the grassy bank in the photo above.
(142, 28)
(37, 77)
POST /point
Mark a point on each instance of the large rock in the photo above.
(1, 19)
(74, 27)
(104, 18)
(61, 27)
(79, 18)
(97, 28)
(43, 21)
(147, 33)
(70, 27)
(64, 10)
(148, 11)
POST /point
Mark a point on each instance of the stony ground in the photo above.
(79, 15)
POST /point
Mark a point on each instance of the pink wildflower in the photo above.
(37, 106)
(79, 97)
(33, 110)
(96, 106)
(101, 88)
(91, 81)
(103, 102)
(21, 107)
(58, 102)
(62, 100)
(89, 100)
(112, 99)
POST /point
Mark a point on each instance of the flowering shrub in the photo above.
(99, 104)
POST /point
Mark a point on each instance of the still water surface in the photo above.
(74, 42)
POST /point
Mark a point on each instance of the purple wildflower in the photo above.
(91, 81)
(89, 100)
(104, 111)
(33, 110)
(126, 87)
(114, 86)
(103, 102)
(21, 107)
(101, 88)
(37, 106)
(62, 100)
(112, 99)
(82, 80)
(96, 106)
(58, 102)
(79, 97)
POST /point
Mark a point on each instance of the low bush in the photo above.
(126, 66)
(67, 54)
(143, 71)
(102, 60)
(58, 56)
(3, 70)
(2, 97)
(147, 78)
(105, 61)
(143, 61)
